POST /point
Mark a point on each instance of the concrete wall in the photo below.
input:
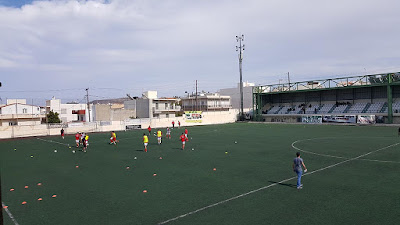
(107, 113)
(143, 109)
(234, 93)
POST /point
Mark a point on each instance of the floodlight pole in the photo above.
(88, 104)
(240, 49)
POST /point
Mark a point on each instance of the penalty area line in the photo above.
(271, 185)
(56, 142)
(9, 213)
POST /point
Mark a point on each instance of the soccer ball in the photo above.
(73, 151)
(55, 150)
(135, 157)
(192, 149)
(235, 142)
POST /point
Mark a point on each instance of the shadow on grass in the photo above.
(141, 150)
(287, 185)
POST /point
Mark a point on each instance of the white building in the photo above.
(69, 112)
(17, 113)
(234, 93)
(150, 106)
(206, 102)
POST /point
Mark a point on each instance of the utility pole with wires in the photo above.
(196, 98)
(88, 105)
(240, 49)
(288, 78)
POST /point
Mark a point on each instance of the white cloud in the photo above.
(159, 44)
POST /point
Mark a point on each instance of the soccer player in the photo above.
(186, 133)
(173, 124)
(168, 135)
(183, 139)
(85, 142)
(77, 137)
(113, 138)
(297, 163)
(149, 129)
(179, 124)
(145, 142)
(82, 137)
(159, 135)
(62, 133)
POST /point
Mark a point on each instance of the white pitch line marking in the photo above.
(271, 185)
(333, 156)
(52, 141)
(9, 213)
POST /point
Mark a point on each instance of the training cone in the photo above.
(144, 191)
(54, 196)
(26, 187)
(39, 199)
(12, 189)
(215, 169)
(76, 166)
(5, 207)
(160, 157)
(23, 203)
(127, 167)
(39, 184)
(154, 175)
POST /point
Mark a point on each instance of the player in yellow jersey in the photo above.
(159, 135)
(113, 138)
(85, 143)
(145, 142)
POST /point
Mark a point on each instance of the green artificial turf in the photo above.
(101, 190)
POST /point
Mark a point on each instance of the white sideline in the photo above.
(271, 185)
(9, 214)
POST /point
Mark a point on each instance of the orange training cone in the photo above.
(23, 203)
(144, 191)
(26, 187)
(54, 196)
(39, 199)
(12, 189)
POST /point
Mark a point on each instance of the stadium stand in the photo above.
(326, 108)
(357, 107)
(375, 107)
(274, 110)
(340, 109)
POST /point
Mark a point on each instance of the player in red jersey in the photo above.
(168, 135)
(183, 139)
(179, 124)
(186, 134)
(149, 129)
(77, 138)
(173, 124)
(62, 133)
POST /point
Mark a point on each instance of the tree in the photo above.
(52, 117)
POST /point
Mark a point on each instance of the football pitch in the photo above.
(228, 174)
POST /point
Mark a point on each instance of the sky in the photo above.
(117, 47)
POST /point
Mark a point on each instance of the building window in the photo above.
(24, 110)
(166, 105)
(63, 111)
(12, 123)
(156, 105)
(167, 115)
